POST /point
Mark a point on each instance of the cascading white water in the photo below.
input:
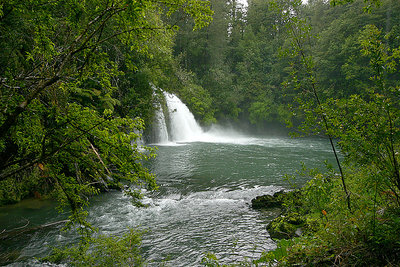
(183, 126)
(161, 131)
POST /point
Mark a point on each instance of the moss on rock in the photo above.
(292, 221)
(286, 226)
(268, 201)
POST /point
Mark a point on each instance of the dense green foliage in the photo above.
(238, 58)
(75, 80)
(75, 89)
(103, 251)
(358, 210)
(77, 84)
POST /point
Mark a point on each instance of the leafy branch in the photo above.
(300, 32)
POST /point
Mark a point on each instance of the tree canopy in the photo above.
(75, 91)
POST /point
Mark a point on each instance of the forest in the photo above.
(78, 83)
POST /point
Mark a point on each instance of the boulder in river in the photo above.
(292, 221)
(268, 201)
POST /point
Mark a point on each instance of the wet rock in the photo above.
(292, 221)
(268, 201)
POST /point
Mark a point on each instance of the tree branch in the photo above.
(60, 148)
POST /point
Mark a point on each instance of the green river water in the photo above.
(203, 204)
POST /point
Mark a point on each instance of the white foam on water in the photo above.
(207, 198)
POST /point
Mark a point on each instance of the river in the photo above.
(203, 204)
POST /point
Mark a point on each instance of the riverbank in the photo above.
(292, 221)
(315, 227)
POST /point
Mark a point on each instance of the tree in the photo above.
(66, 36)
(366, 126)
(65, 66)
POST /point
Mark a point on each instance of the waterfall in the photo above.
(173, 122)
(161, 131)
(182, 125)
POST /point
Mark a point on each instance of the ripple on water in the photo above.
(204, 200)
(182, 227)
